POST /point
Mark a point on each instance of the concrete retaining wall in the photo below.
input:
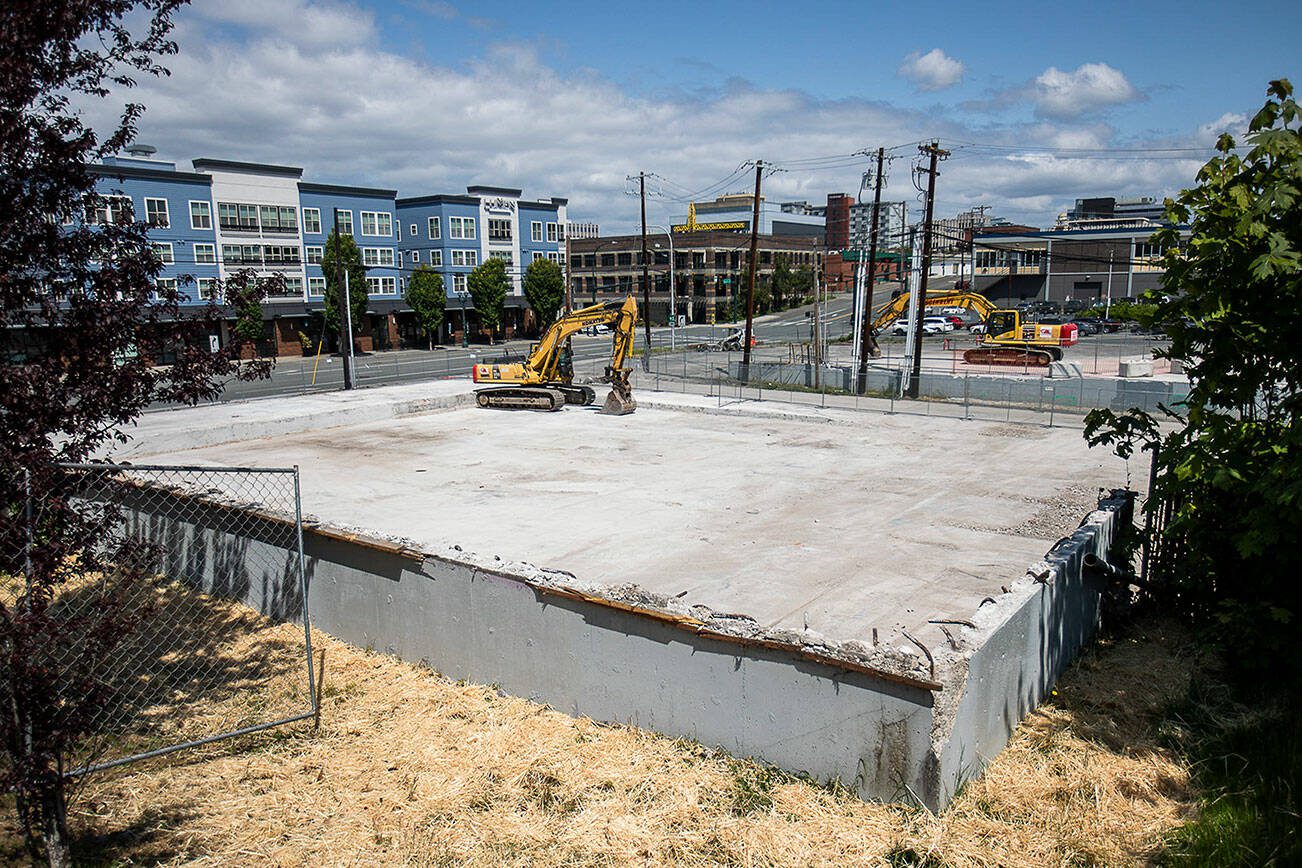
(888, 737)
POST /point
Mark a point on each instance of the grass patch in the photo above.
(409, 767)
(1247, 760)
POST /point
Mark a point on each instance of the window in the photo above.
(415, 257)
(552, 232)
(312, 220)
(536, 255)
(413, 227)
(166, 288)
(499, 230)
(205, 254)
(293, 288)
(504, 255)
(625, 260)
(461, 227)
(156, 213)
(465, 257)
(382, 285)
(434, 228)
(459, 283)
(278, 254)
(344, 222)
(554, 256)
(103, 210)
(436, 257)
(314, 254)
(1145, 250)
(241, 254)
(316, 286)
(535, 231)
(207, 288)
(163, 250)
(377, 256)
(200, 215)
(377, 223)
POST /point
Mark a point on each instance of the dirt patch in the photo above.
(409, 768)
(1054, 517)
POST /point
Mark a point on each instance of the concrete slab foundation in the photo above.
(772, 582)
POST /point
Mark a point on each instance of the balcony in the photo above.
(238, 225)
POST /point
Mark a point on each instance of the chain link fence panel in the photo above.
(179, 603)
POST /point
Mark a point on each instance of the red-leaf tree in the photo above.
(83, 324)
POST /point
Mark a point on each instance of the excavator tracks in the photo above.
(1020, 357)
(522, 398)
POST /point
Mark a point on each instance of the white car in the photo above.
(944, 324)
(930, 326)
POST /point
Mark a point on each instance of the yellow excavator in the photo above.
(545, 379)
(1007, 340)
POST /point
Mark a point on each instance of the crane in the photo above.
(545, 379)
(1007, 341)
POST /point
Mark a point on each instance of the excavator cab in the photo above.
(1002, 322)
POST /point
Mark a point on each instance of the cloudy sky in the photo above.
(1040, 103)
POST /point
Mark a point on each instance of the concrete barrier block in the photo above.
(1136, 367)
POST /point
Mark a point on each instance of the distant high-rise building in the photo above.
(576, 229)
(1106, 212)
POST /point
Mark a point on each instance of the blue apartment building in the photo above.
(225, 216)
(452, 234)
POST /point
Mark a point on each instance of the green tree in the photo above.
(544, 289)
(244, 294)
(343, 251)
(426, 297)
(488, 286)
(781, 284)
(1229, 461)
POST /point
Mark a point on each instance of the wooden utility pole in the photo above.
(867, 343)
(933, 151)
(646, 278)
(750, 279)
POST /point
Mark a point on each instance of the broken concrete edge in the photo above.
(944, 666)
(1015, 625)
(882, 662)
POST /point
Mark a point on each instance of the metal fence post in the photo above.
(303, 589)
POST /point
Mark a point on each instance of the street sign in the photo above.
(214, 344)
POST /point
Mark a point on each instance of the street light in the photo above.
(465, 326)
(673, 296)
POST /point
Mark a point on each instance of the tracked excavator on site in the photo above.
(1007, 340)
(545, 379)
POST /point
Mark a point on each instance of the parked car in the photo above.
(941, 321)
(930, 326)
(977, 328)
(1086, 326)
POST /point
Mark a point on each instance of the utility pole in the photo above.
(818, 334)
(867, 344)
(936, 154)
(346, 319)
(646, 277)
(750, 278)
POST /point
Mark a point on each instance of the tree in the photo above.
(488, 286)
(81, 320)
(343, 255)
(426, 297)
(544, 289)
(782, 283)
(247, 305)
(1229, 461)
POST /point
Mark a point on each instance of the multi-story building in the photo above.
(1107, 212)
(226, 216)
(733, 213)
(709, 269)
(1074, 267)
(453, 234)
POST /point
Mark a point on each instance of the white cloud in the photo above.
(1090, 87)
(1230, 122)
(267, 86)
(931, 71)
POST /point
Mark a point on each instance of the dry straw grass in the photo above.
(409, 768)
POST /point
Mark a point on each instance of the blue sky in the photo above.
(569, 98)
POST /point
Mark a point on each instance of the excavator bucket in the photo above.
(620, 400)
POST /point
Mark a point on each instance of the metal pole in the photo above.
(646, 278)
(303, 589)
(754, 263)
(935, 153)
(1107, 307)
(348, 330)
(341, 277)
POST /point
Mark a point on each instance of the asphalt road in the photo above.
(294, 375)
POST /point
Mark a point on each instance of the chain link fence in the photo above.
(175, 602)
(778, 374)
